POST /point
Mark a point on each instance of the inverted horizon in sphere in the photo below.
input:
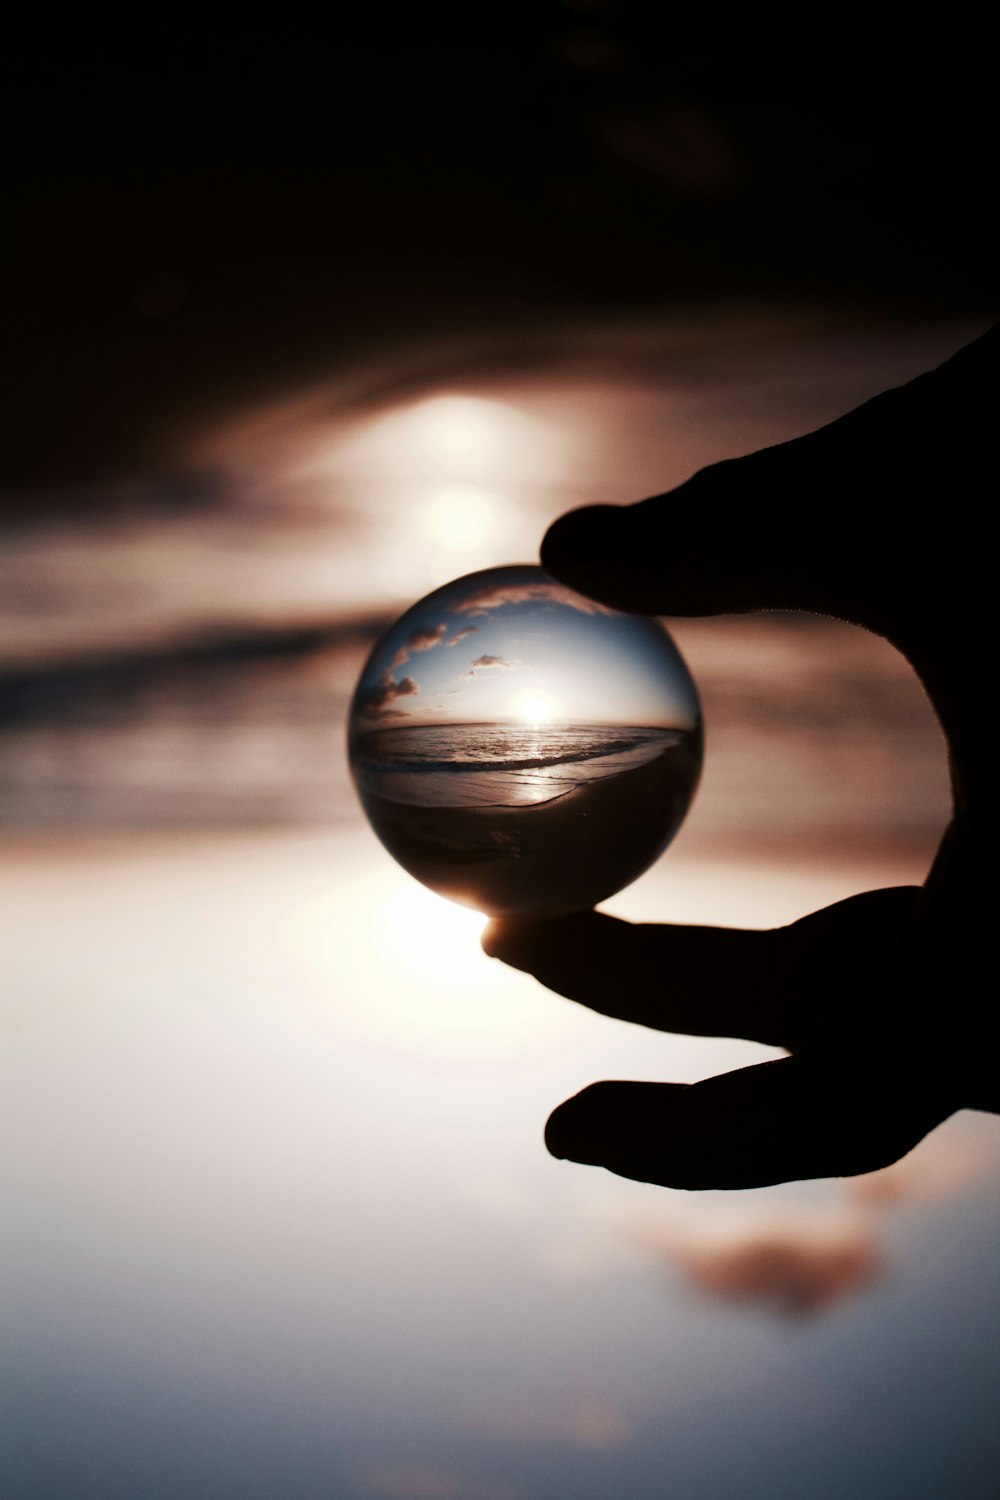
(522, 749)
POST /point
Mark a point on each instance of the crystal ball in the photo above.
(522, 749)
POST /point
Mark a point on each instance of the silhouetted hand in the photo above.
(885, 1000)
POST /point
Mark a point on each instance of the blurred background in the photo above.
(308, 314)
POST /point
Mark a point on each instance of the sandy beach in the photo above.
(564, 854)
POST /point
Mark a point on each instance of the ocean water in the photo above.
(518, 819)
(498, 764)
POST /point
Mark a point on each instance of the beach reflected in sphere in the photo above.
(522, 749)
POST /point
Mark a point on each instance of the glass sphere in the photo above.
(522, 749)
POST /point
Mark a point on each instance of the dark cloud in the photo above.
(378, 699)
(421, 640)
(463, 635)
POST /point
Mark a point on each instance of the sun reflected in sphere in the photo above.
(522, 749)
(536, 706)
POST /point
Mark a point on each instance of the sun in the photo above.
(535, 706)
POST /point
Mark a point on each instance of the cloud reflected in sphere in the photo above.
(522, 749)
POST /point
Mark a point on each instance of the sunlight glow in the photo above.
(536, 706)
(458, 428)
(391, 969)
(453, 424)
(448, 439)
(459, 517)
(434, 944)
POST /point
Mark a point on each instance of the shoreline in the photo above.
(562, 854)
(525, 781)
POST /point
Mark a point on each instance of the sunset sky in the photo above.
(513, 644)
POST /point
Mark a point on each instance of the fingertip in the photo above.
(570, 538)
(524, 942)
(639, 558)
(504, 938)
(715, 544)
(583, 548)
(567, 1128)
(588, 1128)
(491, 938)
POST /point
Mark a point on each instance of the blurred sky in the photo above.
(308, 315)
(210, 207)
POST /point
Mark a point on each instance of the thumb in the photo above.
(739, 536)
(813, 524)
(829, 521)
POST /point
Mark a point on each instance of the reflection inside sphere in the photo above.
(522, 749)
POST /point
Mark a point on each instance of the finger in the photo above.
(802, 525)
(773, 987)
(690, 552)
(735, 537)
(776, 1122)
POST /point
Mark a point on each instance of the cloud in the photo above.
(521, 593)
(377, 699)
(794, 1270)
(488, 663)
(463, 635)
(424, 639)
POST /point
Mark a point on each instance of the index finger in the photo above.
(773, 987)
